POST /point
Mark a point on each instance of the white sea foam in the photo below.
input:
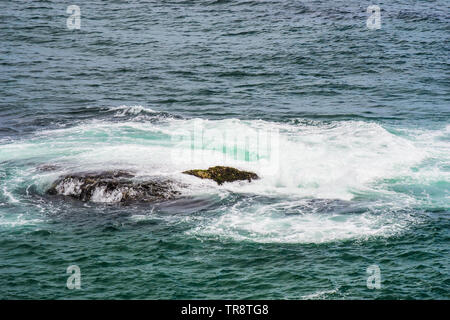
(10, 221)
(130, 110)
(323, 294)
(270, 224)
(100, 194)
(339, 160)
(9, 195)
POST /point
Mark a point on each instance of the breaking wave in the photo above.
(385, 172)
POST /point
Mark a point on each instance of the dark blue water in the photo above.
(359, 174)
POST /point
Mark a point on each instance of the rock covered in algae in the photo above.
(222, 174)
(112, 186)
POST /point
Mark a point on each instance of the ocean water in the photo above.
(356, 174)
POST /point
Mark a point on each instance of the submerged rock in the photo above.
(122, 186)
(48, 167)
(222, 174)
(112, 186)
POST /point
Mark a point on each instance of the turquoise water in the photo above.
(357, 172)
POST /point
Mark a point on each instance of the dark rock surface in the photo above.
(113, 186)
(122, 186)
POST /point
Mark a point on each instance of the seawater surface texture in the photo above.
(356, 174)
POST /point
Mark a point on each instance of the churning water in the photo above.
(348, 129)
